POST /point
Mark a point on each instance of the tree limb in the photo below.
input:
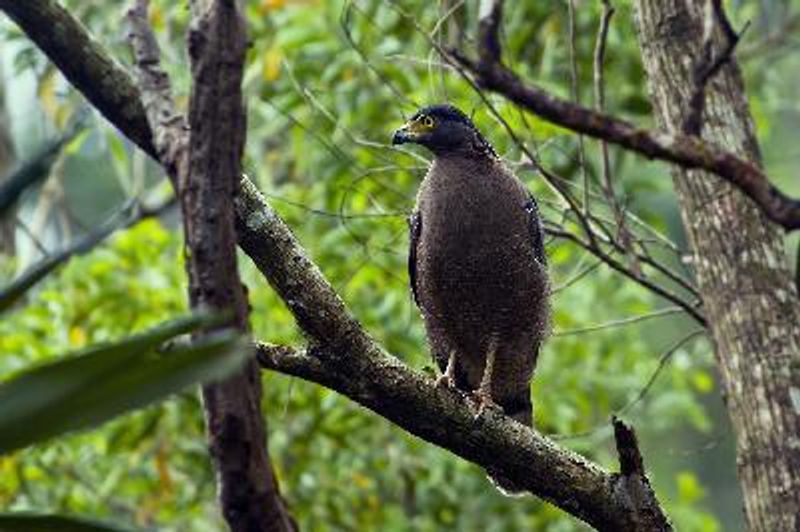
(33, 170)
(684, 150)
(383, 384)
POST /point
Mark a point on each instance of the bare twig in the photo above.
(684, 150)
(710, 63)
(691, 309)
(574, 88)
(625, 237)
(128, 215)
(662, 362)
(600, 94)
(779, 39)
(618, 323)
(579, 273)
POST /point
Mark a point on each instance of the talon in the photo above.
(445, 381)
(485, 402)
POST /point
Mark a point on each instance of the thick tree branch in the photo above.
(445, 417)
(684, 150)
(84, 63)
(344, 356)
(205, 164)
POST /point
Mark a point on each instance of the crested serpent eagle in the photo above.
(477, 264)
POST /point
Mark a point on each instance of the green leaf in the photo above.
(106, 380)
(24, 522)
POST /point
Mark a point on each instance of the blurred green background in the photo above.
(326, 83)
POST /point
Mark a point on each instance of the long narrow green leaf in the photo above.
(104, 381)
(25, 522)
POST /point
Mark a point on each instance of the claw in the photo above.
(485, 403)
(445, 381)
(484, 392)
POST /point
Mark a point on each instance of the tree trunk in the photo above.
(739, 261)
(7, 220)
(248, 490)
(203, 159)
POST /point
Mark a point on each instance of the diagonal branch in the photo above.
(686, 151)
(608, 501)
(343, 357)
(131, 213)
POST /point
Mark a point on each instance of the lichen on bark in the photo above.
(748, 294)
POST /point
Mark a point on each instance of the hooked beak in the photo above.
(403, 135)
(410, 132)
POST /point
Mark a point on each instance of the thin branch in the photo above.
(621, 322)
(710, 63)
(574, 88)
(579, 273)
(687, 151)
(624, 235)
(128, 215)
(600, 94)
(659, 290)
(662, 362)
(776, 40)
(31, 234)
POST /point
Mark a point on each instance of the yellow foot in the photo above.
(485, 403)
(445, 381)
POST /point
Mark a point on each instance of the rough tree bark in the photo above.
(206, 167)
(739, 260)
(7, 220)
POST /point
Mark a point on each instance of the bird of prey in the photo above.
(477, 264)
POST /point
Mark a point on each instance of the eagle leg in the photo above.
(484, 392)
(448, 378)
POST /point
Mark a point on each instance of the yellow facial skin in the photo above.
(422, 124)
(413, 129)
